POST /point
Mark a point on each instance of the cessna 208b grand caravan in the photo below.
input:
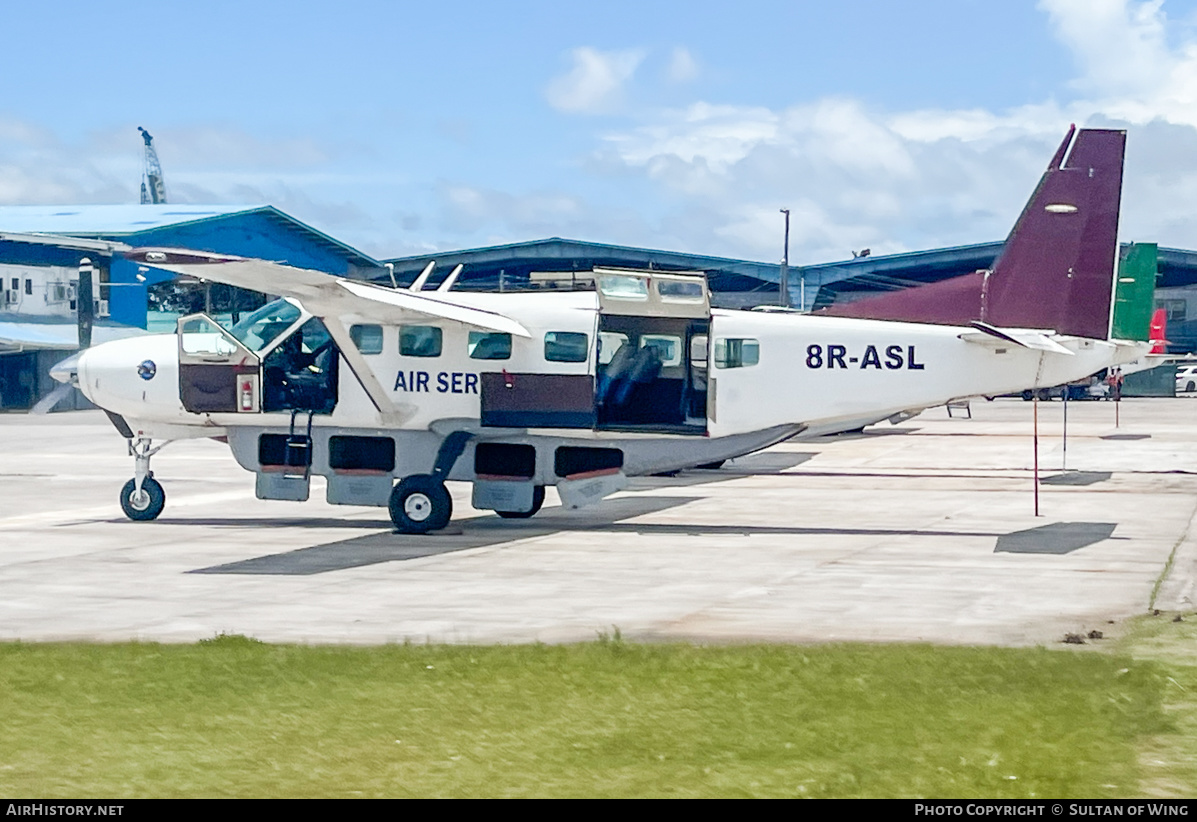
(388, 393)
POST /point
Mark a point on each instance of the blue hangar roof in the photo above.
(734, 282)
(250, 231)
(515, 261)
(142, 224)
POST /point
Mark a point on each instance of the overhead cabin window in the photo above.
(737, 353)
(489, 345)
(624, 287)
(609, 342)
(680, 291)
(566, 346)
(367, 338)
(667, 347)
(420, 340)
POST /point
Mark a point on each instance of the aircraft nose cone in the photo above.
(67, 371)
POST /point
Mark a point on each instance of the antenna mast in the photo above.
(153, 189)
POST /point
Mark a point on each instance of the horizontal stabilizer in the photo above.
(990, 335)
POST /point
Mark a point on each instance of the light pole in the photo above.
(784, 285)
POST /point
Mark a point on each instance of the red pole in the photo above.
(1035, 438)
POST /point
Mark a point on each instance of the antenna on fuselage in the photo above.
(423, 278)
(452, 278)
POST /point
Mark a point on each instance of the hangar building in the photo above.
(744, 283)
(40, 250)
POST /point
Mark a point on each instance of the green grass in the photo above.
(1168, 762)
(233, 717)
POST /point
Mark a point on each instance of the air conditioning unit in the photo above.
(71, 292)
(101, 308)
(12, 296)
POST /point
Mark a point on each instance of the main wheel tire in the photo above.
(146, 507)
(419, 504)
(537, 501)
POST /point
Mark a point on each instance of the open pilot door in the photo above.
(651, 372)
(216, 372)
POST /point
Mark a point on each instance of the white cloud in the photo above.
(595, 82)
(857, 176)
(682, 66)
(1128, 69)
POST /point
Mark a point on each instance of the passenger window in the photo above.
(489, 345)
(566, 346)
(668, 348)
(608, 343)
(367, 338)
(737, 353)
(420, 340)
(698, 351)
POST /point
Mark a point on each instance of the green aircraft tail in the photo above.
(1134, 292)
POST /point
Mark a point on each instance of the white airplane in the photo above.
(388, 393)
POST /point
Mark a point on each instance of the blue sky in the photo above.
(403, 127)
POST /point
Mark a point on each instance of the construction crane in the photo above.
(153, 189)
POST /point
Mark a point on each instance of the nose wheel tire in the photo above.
(419, 504)
(146, 506)
(537, 501)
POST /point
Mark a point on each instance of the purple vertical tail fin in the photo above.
(1056, 269)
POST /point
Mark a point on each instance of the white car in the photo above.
(1186, 378)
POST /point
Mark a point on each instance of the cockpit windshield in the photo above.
(261, 328)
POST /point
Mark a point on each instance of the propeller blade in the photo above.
(52, 399)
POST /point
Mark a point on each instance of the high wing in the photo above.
(322, 294)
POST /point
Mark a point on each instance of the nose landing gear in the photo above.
(145, 504)
(142, 498)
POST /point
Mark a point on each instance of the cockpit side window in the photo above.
(367, 338)
(301, 372)
(261, 328)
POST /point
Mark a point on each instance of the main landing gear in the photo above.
(420, 503)
(142, 498)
